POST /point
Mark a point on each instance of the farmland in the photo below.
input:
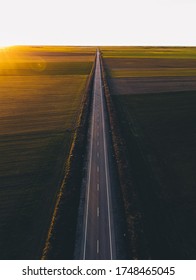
(42, 92)
(154, 93)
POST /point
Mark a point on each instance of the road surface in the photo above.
(98, 240)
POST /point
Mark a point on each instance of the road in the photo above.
(98, 239)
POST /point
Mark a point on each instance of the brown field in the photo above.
(145, 85)
(154, 93)
(42, 91)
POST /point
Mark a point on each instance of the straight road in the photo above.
(98, 239)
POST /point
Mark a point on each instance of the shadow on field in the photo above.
(61, 238)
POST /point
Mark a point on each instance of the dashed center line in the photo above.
(97, 246)
(98, 154)
(97, 211)
(97, 186)
(97, 168)
(97, 143)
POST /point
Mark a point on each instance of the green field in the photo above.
(157, 117)
(175, 72)
(149, 52)
(42, 90)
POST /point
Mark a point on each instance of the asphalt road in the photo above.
(98, 239)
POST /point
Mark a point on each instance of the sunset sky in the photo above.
(101, 22)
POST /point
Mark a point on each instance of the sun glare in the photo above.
(4, 45)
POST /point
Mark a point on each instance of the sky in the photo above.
(100, 22)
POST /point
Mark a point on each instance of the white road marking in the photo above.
(97, 246)
(97, 186)
(98, 154)
(97, 143)
(97, 211)
(98, 168)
